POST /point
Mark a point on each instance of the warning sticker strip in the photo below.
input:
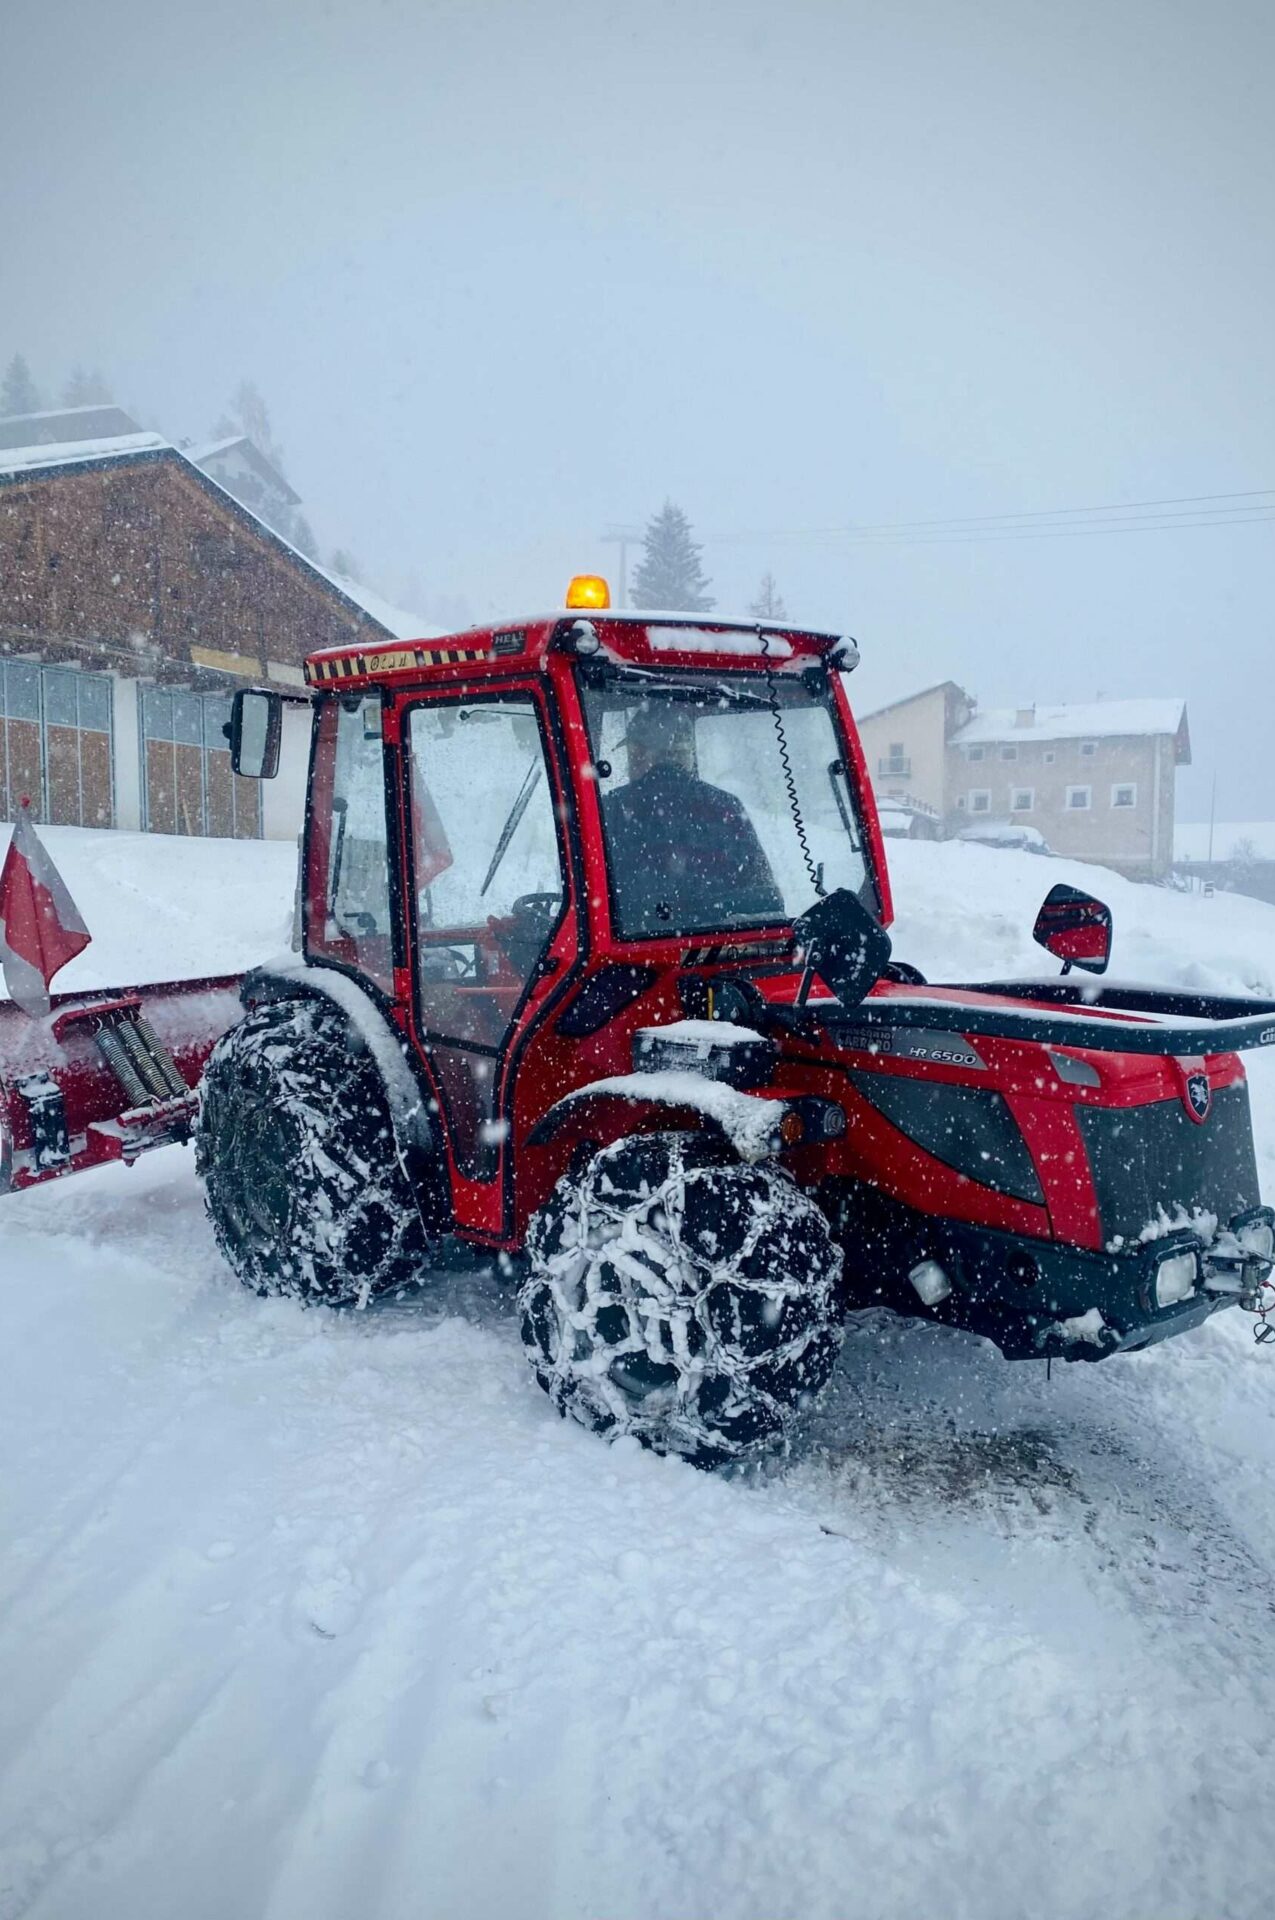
(353, 666)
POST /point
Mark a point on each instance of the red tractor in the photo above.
(595, 971)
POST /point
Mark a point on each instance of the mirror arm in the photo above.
(807, 976)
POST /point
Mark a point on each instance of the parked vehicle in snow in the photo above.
(596, 973)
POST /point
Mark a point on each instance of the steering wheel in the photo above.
(446, 964)
(523, 931)
(536, 912)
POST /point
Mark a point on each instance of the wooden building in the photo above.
(135, 593)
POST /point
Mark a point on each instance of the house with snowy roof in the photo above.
(1094, 781)
(136, 591)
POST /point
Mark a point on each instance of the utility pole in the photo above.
(623, 538)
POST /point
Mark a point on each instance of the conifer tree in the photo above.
(86, 389)
(769, 603)
(18, 391)
(669, 574)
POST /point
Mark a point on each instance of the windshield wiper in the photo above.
(510, 827)
(836, 774)
(690, 692)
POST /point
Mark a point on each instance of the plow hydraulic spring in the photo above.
(138, 1061)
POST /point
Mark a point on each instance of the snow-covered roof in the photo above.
(397, 620)
(247, 449)
(1093, 720)
(1191, 838)
(62, 453)
(99, 420)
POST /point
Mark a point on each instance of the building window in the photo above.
(1078, 799)
(55, 744)
(1124, 795)
(1010, 751)
(960, 801)
(22, 772)
(1088, 748)
(1050, 756)
(973, 753)
(896, 763)
(1021, 800)
(188, 786)
(77, 748)
(980, 800)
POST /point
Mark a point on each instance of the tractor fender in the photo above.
(748, 1122)
(415, 1135)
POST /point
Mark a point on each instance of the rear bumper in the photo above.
(1036, 1299)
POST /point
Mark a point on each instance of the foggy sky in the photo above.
(508, 273)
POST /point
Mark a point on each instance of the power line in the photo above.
(1070, 533)
(1198, 510)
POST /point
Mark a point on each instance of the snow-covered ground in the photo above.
(306, 1616)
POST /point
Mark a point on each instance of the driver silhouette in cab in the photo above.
(684, 854)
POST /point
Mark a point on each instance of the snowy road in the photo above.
(306, 1616)
(314, 1616)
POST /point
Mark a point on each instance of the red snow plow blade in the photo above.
(105, 1076)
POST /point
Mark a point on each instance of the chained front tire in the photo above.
(681, 1297)
(295, 1144)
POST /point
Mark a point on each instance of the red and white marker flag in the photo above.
(40, 924)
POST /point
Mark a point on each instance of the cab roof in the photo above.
(647, 639)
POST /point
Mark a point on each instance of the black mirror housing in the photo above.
(1075, 928)
(844, 945)
(256, 732)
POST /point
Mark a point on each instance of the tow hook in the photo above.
(1261, 1303)
(1240, 1261)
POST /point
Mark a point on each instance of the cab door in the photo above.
(489, 896)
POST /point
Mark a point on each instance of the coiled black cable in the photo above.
(785, 761)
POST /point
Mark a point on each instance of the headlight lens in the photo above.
(1176, 1277)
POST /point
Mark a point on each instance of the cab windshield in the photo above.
(725, 800)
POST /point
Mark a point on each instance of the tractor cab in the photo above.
(522, 839)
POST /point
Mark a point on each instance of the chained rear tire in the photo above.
(681, 1297)
(296, 1147)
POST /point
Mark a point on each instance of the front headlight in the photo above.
(1176, 1277)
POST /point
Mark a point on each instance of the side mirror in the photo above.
(1075, 928)
(255, 731)
(844, 945)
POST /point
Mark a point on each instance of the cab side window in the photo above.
(488, 896)
(349, 854)
(488, 871)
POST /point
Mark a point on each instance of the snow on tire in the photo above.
(295, 1144)
(679, 1296)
